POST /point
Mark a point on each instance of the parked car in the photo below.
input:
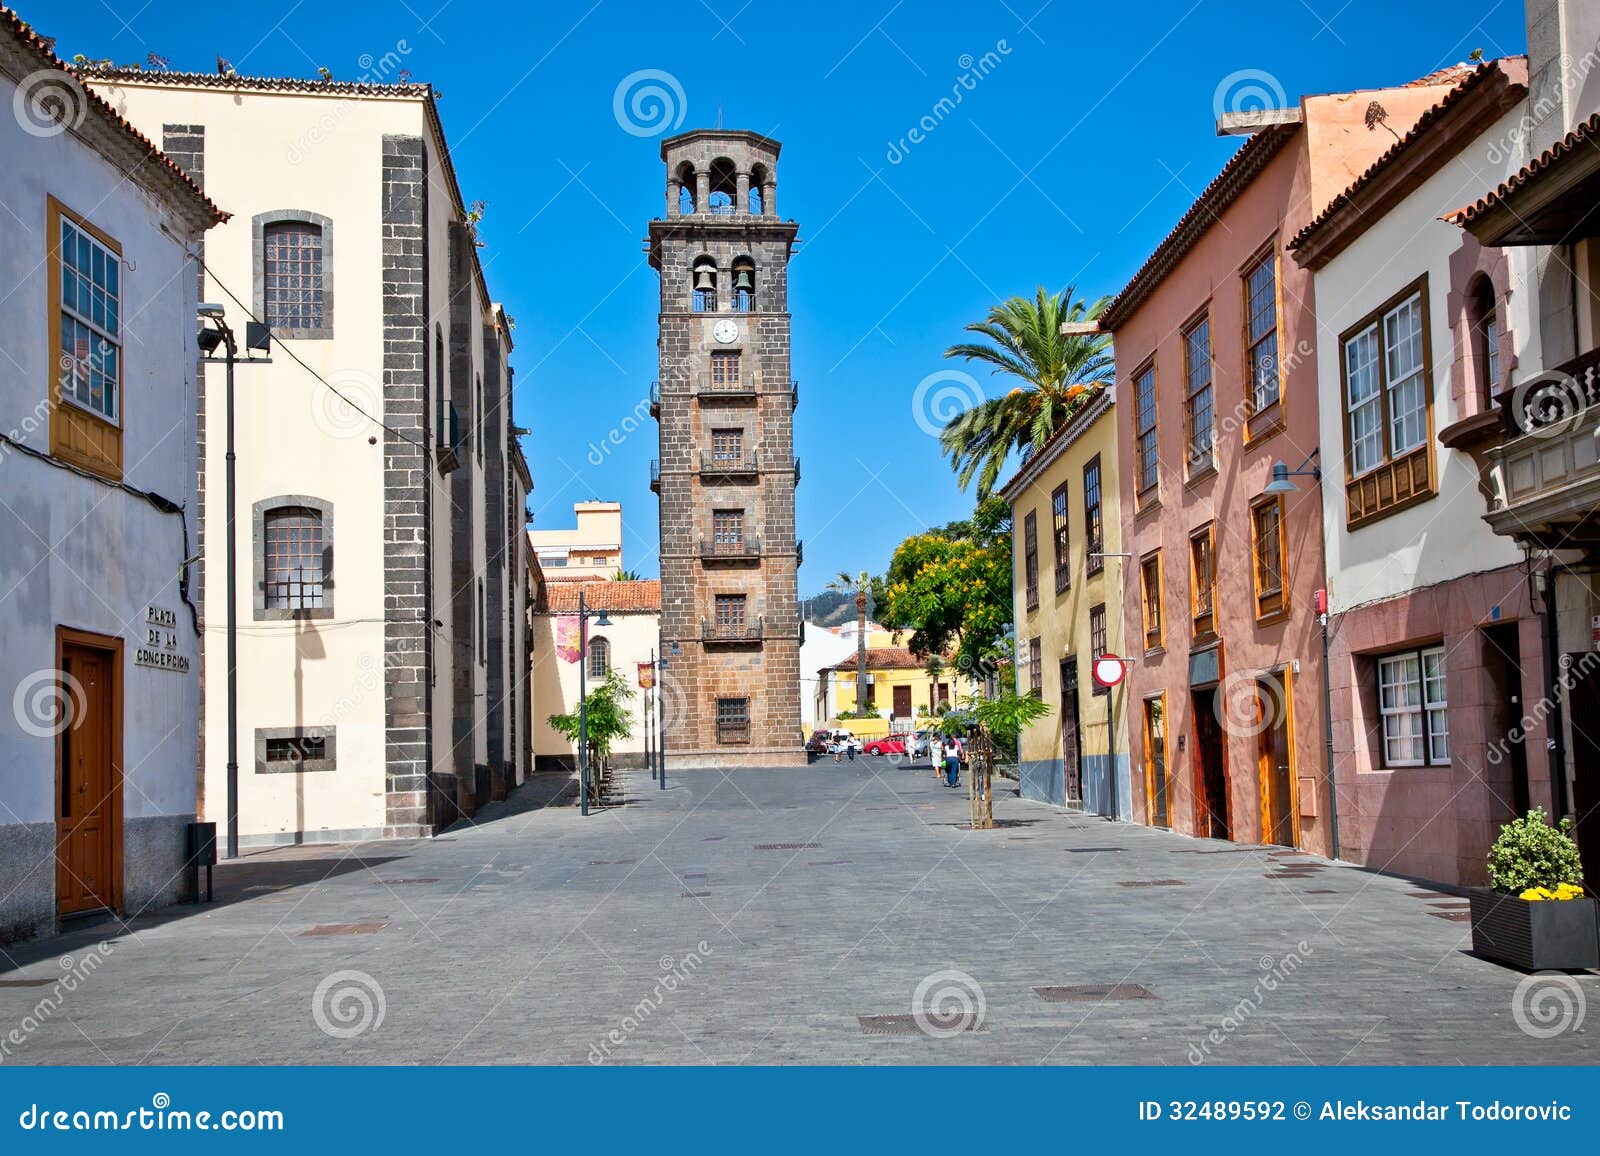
(846, 740)
(892, 745)
(817, 744)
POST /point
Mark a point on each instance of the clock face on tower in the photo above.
(725, 331)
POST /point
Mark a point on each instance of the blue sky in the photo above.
(1087, 134)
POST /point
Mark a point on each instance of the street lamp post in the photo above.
(215, 332)
(600, 619)
(1111, 691)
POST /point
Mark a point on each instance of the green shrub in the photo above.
(1532, 853)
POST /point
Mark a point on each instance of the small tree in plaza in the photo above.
(609, 717)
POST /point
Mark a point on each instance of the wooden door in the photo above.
(902, 702)
(1212, 768)
(1276, 766)
(1155, 760)
(1071, 763)
(88, 799)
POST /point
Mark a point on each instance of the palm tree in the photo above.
(625, 576)
(858, 585)
(1058, 373)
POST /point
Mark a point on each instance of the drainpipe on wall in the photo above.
(1327, 723)
(1556, 744)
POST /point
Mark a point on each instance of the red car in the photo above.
(893, 745)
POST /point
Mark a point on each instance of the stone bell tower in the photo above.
(730, 621)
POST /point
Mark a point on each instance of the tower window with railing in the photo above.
(744, 285)
(705, 285)
(725, 369)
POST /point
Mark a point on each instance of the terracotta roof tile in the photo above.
(885, 658)
(257, 83)
(1586, 133)
(45, 52)
(1470, 81)
(642, 597)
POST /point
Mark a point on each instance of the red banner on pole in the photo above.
(647, 675)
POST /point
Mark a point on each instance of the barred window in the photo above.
(733, 720)
(292, 276)
(293, 552)
(1150, 577)
(1036, 667)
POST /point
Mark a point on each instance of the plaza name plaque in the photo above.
(159, 650)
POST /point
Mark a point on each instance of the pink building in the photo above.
(1216, 339)
(1435, 648)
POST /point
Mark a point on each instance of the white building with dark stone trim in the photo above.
(97, 502)
(381, 492)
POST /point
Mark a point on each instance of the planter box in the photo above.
(1548, 935)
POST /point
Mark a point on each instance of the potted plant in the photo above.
(1537, 916)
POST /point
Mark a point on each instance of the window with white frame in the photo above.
(1413, 706)
(91, 326)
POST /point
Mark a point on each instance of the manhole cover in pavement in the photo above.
(610, 862)
(405, 882)
(787, 846)
(1094, 992)
(695, 895)
(1453, 916)
(1151, 883)
(345, 929)
(827, 862)
(939, 1024)
(26, 982)
(1321, 891)
(1092, 850)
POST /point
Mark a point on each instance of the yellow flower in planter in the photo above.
(1562, 891)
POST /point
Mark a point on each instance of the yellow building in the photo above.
(1069, 585)
(899, 686)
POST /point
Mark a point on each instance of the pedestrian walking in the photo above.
(952, 763)
(936, 754)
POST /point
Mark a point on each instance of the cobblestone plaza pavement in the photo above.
(758, 916)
